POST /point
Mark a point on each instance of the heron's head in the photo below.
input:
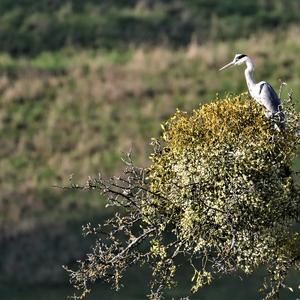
(238, 60)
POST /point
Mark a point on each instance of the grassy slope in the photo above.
(70, 112)
(75, 112)
(30, 27)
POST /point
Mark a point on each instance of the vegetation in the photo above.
(82, 82)
(30, 27)
(60, 113)
(219, 196)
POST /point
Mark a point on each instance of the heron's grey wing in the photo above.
(269, 98)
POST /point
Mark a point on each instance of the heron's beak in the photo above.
(227, 66)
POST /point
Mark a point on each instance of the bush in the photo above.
(220, 196)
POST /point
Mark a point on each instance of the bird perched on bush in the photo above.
(218, 198)
(262, 91)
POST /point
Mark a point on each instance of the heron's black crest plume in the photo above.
(241, 56)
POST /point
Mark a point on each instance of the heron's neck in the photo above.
(249, 74)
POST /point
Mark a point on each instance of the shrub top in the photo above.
(221, 196)
(223, 181)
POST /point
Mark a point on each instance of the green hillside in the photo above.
(82, 82)
(29, 27)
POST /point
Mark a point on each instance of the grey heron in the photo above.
(262, 91)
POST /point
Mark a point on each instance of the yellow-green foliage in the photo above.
(223, 180)
(219, 197)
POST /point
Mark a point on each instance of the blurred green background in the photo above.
(82, 82)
